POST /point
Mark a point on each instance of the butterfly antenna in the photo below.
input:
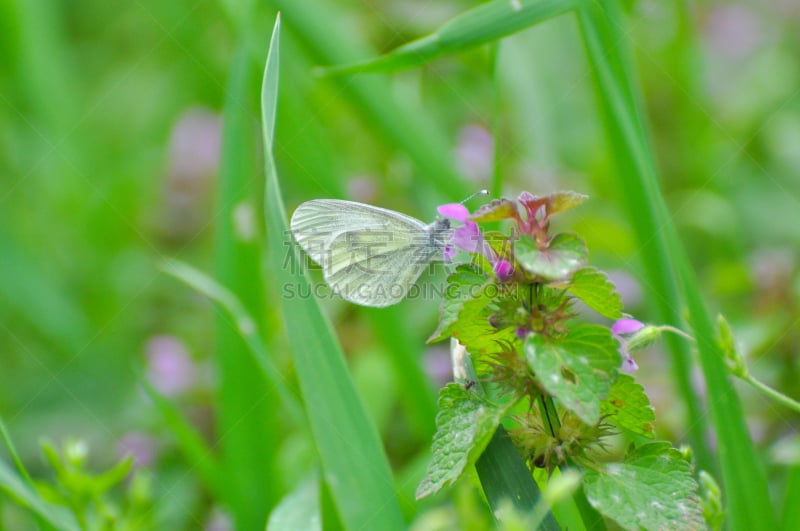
(479, 192)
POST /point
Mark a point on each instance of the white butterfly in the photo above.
(369, 255)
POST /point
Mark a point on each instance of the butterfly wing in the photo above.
(370, 255)
(377, 268)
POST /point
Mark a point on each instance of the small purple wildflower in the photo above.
(503, 269)
(455, 211)
(625, 327)
(468, 237)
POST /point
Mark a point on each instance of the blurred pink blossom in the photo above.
(475, 152)
(169, 367)
(140, 445)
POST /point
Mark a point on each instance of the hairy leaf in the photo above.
(564, 254)
(464, 426)
(652, 488)
(462, 285)
(598, 293)
(576, 369)
(627, 407)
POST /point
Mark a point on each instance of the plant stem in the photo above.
(770, 392)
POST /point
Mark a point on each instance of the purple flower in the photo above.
(503, 269)
(625, 327)
(468, 237)
(455, 211)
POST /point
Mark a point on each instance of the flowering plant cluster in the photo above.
(560, 386)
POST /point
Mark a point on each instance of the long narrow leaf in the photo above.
(668, 268)
(480, 25)
(189, 441)
(316, 25)
(244, 324)
(354, 465)
(637, 176)
(247, 414)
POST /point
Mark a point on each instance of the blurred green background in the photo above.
(110, 132)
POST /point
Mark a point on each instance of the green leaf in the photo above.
(474, 328)
(353, 462)
(504, 477)
(462, 285)
(564, 254)
(189, 440)
(598, 293)
(652, 488)
(245, 326)
(485, 23)
(628, 407)
(464, 426)
(577, 368)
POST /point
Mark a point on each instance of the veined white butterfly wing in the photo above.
(370, 255)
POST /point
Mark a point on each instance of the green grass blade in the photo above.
(14, 454)
(505, 478)
(483, 24)
(190, 442)
(790, 518)
(247, 414)
(637, 179)
(316, 26)
(245, 325)
(354, 465)
(668, 269)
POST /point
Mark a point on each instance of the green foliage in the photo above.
(519, 330)
(592, 287)
(77, 498)
(564, 255)
(462, 285)
(482, 24)
(113, 119)
(628, 407)
(300, 509)
(576, 369)
(464, 425)
(652, 488)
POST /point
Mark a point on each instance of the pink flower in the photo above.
(455, 211)
(503, 269)
(468, 237)
(626, 327)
